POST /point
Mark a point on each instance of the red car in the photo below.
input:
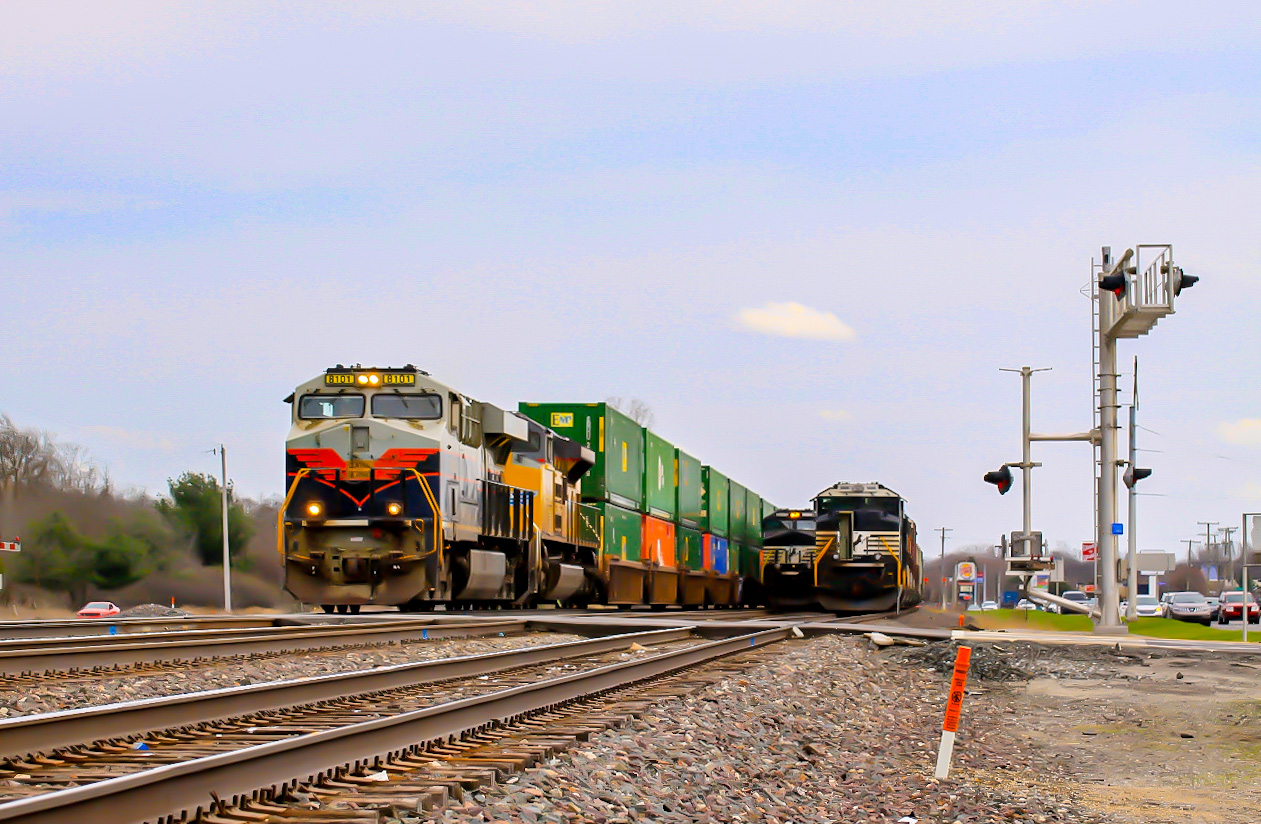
(99, 609)
(1231, 608)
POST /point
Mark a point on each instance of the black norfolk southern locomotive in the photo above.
(855, 551)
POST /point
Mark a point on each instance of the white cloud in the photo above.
(836, 415)
(792, 320)
(1245, 432)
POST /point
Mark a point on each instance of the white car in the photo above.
(1025, 603)
(1145, 606)
(989, 605)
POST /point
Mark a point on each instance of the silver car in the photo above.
(1189, 606)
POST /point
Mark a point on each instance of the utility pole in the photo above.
(1208, 538)
(1131, 603)
(227, 562)
(943, 530)
(1228, 549)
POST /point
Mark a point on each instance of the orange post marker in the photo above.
(954, 707)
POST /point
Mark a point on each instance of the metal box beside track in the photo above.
(689, 492)
(715, 510)
(660, 499)
(618, 443)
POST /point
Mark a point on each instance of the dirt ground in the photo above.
(1160, 737)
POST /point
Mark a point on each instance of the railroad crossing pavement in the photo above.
(1124, 641)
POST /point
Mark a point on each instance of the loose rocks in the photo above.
(825, 732)
(54, 695)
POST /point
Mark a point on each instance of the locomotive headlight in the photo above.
(374, 379)
(314, 510)
(394, 508)
(363, 379)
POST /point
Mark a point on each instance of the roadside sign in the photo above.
(1089, 551)
(1118, 529)
(965, 571)
(11, 546)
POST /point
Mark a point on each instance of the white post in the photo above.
(227, 561)
(1109, 600)
(1131, 608)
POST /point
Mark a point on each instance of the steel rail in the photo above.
(181, 788)
(198, 634)
(92, 627)
(42, 733)
(89, 653)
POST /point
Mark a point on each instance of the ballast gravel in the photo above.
(828, 732)
(53, 695)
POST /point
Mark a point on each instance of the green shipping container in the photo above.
(688, 552)
(737, 502)
(739, 560)
(618, 443)
(714, 508)
(660, 498)
(753, 519)
(621, 531)
(689, 496)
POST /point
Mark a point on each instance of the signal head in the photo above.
(1135, 474)
(1116, 284)
(1001, 478)
(1181, 280)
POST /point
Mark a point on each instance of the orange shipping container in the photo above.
(658, 542)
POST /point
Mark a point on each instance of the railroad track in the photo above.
(328, 745)
(24, 660)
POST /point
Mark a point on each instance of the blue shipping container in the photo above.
(717, 556)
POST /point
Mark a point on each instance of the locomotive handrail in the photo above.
(896, 556)
(818, 556)
(280, 516)
(437, 513)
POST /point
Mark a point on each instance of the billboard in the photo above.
(965, 571)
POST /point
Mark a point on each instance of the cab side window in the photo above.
(456, 422)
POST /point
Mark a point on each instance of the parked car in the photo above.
(989, 605)
(1025, 603)
(1145, 606)
(1188, 606)
(1232, 606)
(99, 609)
(1074, 595)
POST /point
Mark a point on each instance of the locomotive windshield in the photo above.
(327, 407)
(427, 407)
(871, 513)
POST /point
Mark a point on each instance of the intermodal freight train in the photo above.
(855, 551)
(401, 490)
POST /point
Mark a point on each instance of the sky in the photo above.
(808, 235)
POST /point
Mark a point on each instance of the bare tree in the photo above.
(31, 457)
(635, 409)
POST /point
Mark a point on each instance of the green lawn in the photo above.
(1016, 619)
(1169, 628)
(1030, 619)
